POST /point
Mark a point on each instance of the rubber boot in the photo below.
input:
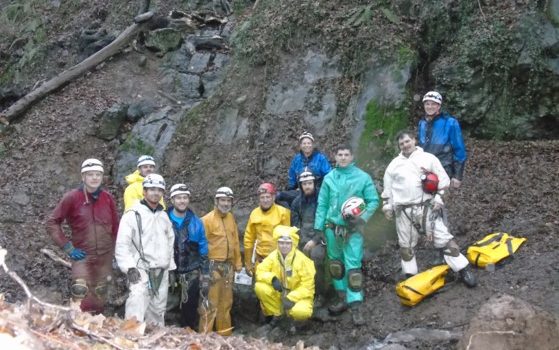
(357, 314)
(438, 259)
(318, 301)
(340, 306)
(468, 276)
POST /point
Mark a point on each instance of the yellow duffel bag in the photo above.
(418, 287)
(493, 248)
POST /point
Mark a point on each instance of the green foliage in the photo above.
(137, 145)
(382, 122)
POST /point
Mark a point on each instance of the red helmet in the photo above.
(267, 187)
(430, 182)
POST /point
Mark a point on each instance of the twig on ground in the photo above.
(55, 257)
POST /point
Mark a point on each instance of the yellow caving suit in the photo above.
(259, 227)
(134, 192)
(224, 254)
(296, 274)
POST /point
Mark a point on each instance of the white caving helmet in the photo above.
(307, 135)
(353, 207)
(224, 192)
(433, 96)
(179, 189)
(146, 160)
(306, 175)
(92, 164)
(154, 180)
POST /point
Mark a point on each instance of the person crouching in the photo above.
(285, 279)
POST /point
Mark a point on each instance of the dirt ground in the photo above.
(509, 187)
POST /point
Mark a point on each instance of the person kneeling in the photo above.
(285, 279)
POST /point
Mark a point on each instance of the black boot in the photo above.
(340, 306)
(468, 276)
(438, 259)
(357, 314)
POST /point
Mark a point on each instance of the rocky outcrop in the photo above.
(506, 322)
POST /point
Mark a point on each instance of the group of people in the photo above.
(288, 248)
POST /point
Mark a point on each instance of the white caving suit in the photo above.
(403, 193)
(157, 242)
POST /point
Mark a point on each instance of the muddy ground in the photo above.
(509, 186)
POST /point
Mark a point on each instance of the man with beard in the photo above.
(225, 260)
(261, 224)
(303, 210)
(90, 211)
(418, 211)
(144, 252)
(134, 192)
(191, 255)
(440, 134)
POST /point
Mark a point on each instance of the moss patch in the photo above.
(137, 145)
(376, 144)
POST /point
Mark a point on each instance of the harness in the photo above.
(155, 276)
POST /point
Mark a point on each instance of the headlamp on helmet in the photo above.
(146, 160)
(433, 96)
(307, 135)
(154, 180)
(267, 188)
(224, 192)
(92, 164)
(179, 189)
(306, 175)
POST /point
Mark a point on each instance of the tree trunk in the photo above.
(68, 75)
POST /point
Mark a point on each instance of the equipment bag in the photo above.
(493, 248)
(418, 287)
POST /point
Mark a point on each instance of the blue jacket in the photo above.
(442, 137)
(191, 245)
(317, 163)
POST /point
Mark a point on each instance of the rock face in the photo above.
(501, 77)
(506, 322)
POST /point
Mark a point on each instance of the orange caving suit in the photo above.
(224, 254)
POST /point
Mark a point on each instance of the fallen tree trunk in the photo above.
(86, 65)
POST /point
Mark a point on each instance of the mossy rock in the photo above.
(164, 40)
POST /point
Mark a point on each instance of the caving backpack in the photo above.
(418, 287)
(493, 248)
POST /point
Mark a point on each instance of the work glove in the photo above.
(388, 212)
(248, 269)
(172, 279)
(133, 275)
(357, 222)
(277, 284)
(74, 253)
(287, 304)
(204, 284)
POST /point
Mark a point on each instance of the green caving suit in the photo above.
(339, 185)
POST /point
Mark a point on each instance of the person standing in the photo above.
(225, 260)
(439, 133)
(308, 158)
(344, 235)
(418, 211)
(134, 192)
(144, 252)
(90, 211)
(191, 255)
(303, 211)
(260, 225)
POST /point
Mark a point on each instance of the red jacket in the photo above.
(94, 223)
